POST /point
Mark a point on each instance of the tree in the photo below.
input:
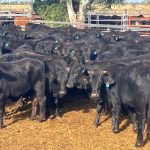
(80, 15)
(76, 8)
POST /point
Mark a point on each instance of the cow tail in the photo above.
(148, 119)
(148, 110)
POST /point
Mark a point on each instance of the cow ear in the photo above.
(67, 69)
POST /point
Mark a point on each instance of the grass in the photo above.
(131, 9)
(18, 8)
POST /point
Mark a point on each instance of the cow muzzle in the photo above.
(69, 85)
(62, 93)
(94, 96)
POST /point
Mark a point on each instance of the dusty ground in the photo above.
(74, 131)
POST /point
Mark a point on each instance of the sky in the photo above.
(134, 0)
(126, 0)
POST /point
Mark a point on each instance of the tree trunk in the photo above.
(82, 10)
(71, 13)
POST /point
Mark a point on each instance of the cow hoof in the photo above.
(148, 137)
(135, 130)
(41, 119)
(139, 144)
(116, 131)
(57, 116)
(31, 118)
(97, 123)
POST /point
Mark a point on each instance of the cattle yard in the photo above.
(98, 53)
(75, 130)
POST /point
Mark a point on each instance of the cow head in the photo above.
(78, 75)
(116, 37)
(55, 50)
(5, 48)
(98, 35)
(76, 37)
(5, 33)
(62, 77)
(97, 80)
(28, 37)
(95, 83)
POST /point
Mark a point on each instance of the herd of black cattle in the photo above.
(113, 67)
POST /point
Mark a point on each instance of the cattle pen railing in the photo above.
(118, 21)
(122, 24)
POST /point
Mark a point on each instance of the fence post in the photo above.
(89, 19)
(97, 20)
(124, 22)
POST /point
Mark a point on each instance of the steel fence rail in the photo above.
(103, 26)
(16, 15)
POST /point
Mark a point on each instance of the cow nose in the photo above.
(62, 93)
(94, 95)
(69, 85)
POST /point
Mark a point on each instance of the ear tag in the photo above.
(107, 85)
(6, 44)
(95, 53)
(83, 70)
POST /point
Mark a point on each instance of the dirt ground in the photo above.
(74, 131)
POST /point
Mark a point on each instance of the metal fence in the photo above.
(124, 22)
(98, 23)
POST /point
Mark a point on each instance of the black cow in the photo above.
(132, 92)
(58, 72)
(17, 78)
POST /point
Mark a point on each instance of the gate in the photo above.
(121, 22)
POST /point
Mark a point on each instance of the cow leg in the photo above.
(40, 94)
(106, 108)
(2, 106)
(56, 101)
(133, 118)
(100, 107)
(148, 129)
(115, 123)
(148, 124)
(42, 104)
(20, 102)
(140, 127)
(34, 109)
(116, 110)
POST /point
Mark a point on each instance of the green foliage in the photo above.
(52, 12)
